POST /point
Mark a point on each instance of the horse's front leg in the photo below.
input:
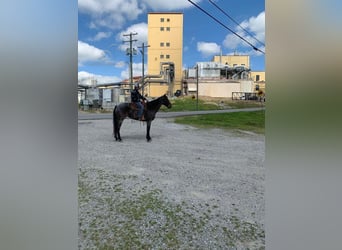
(148, 127)
(117, 132)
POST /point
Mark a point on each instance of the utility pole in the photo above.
(142, 51)
(130, 53)
(197, 87)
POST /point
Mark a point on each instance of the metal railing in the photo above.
(248, 96)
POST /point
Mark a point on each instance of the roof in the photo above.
(167, 13)
(109, 84)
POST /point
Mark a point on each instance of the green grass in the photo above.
(250, 121)
(190, 104)
(144, 218)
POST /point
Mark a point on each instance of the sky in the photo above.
(102, 23)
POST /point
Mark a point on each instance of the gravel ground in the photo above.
(188, 188)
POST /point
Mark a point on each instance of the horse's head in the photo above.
(165, 101)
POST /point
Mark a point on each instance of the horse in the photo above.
(126, 109)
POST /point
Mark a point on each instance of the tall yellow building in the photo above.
(165, 38)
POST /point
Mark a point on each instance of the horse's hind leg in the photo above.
(115, 123)
(117, 135)
(115, 129)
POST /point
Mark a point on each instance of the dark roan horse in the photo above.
(126, 109)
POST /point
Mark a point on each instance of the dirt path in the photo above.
(201, 169)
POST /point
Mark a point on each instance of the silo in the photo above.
(116, 95)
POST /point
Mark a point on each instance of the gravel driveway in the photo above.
(188, 188)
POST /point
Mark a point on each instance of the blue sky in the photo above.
(102, 23)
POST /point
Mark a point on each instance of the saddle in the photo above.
(134, 109)
(133, 105)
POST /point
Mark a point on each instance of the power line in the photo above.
(232, 19)
(255, 48)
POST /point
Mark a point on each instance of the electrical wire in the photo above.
(232, 19)
(197, 6)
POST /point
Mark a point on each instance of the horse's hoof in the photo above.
(148, 139)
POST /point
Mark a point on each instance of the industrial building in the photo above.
(224, 76)
(221, 77)
(228, 76)
(165, 63)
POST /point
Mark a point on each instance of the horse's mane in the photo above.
(154, 103)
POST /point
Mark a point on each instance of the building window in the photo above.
(167, 44)
(161, 56)
(168, 20)
(167, 28)
(161, 28)
(167, 56)
(161, 44)
(161, 19)
(257, 78)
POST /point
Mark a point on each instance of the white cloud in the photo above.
(120, 64)
(84, 75)
(101, 35)
(137, 70)
(169, 5)
(86, 78)
(89, 53)
(255, 26)
(232, 41)
(208, 49)
(111, 13)
(249, 51)
(140, 29)
(107, 79)
(114, 13)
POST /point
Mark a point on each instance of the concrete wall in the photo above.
(233, 60)
(246, 86)
(261, 74)
(221, 89)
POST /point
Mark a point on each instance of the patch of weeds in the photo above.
(243, 233)
(126, 212)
